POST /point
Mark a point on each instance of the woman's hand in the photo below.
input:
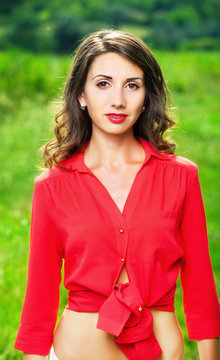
(209, 349)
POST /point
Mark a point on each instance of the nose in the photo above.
(118, 98)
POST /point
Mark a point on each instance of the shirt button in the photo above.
(122, 259)
(121, 230)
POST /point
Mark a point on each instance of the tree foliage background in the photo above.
(57, 25)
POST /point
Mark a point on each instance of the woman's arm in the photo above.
(209, 349)
(200, 298)
(41, 304)
(34, 357)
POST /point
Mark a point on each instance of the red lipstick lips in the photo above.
(116, 118)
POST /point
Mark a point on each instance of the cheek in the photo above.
(95, 104)
(138, 103)
(96, 99)
(138, 98)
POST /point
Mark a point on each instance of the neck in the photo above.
(113, 151)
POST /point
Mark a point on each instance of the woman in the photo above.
(124, 213)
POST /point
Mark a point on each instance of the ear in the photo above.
(81, 99)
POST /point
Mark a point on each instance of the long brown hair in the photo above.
(73, 126)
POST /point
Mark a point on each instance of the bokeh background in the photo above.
(37, 40)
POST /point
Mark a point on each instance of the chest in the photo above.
(118, 183)
(120, 196)
(89, 221)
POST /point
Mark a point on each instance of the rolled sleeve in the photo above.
(200, 299)
(39, 313)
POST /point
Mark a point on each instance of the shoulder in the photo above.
(169, 160)
(45, 176)
(47, 183)
(182, 162)
(49, 175)
(178, 165)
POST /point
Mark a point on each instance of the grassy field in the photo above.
(29, 87)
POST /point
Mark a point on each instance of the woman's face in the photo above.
(114, 93)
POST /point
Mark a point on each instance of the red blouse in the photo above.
(161, 231)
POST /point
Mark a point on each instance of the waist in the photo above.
(76, 337)
(126, 315)
(76, 329)
(85, 301)
(89, 301)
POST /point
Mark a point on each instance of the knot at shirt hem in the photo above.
(124, 315)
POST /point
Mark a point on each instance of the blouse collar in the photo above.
(76, 162)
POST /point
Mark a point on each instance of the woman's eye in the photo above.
(133, 86)
(102, 84)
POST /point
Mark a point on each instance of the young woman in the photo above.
(124, 213)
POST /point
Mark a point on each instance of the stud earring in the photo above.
(82, 107)
(143, 108)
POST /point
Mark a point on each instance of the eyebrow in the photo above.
(110, 77)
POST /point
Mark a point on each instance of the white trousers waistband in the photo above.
(53, 355)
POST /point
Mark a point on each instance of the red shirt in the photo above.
(161, 231)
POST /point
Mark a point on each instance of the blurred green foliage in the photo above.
(57, 25)
(30, 86)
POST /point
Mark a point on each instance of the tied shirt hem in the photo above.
(124, 315)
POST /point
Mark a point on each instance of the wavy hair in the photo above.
(74, 127)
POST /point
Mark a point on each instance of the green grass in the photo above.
(29, 86)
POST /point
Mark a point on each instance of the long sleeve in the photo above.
(41, 303)
(200, 299)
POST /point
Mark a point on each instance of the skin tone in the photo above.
(113, 93)
(209, 349)
(116, 85)
(110, 90)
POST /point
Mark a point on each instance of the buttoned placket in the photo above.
(120, 217)
(123, 246)
(123, 240)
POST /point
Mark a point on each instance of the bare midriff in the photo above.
(77, 338)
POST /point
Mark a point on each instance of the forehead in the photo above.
(114, 64)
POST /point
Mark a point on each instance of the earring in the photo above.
(82, 107)
(143, 108)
